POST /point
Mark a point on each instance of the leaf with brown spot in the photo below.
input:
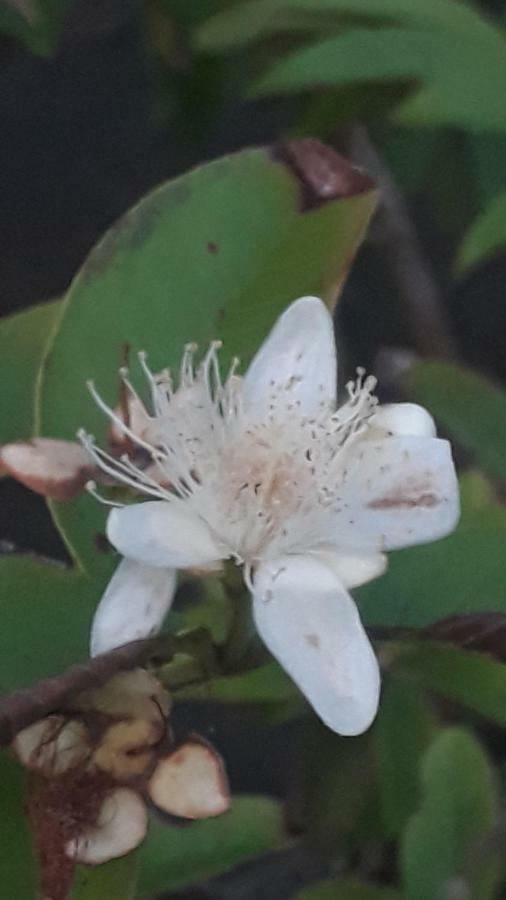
(286, 225)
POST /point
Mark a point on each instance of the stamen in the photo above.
(113, 416)
(91, 488)
(117, 470)
(209, 368)
(123, 373)
(186, 377)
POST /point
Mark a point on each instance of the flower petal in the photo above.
(398, 491)
(190, 782)
(353, 569)
(163, 533)
(56, 469)
(312, 627)
(121, 826)
(403, 418)
(296, 364)
(133, 606)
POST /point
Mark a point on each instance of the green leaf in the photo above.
(392, 54)
(18, 873)
(216, 253)
(486, 154)
(117, 879)
(331, 784)
(442, 843)
(171, 856)
(461, 573)
(403, 731)
(45, 613)
(474, 680)
(486, 236)
(266, 684)
(248, 21)
(459, 79)
(36, 23)
(347, 889)
(469, 406)
(23, 337)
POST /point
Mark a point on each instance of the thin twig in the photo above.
(407, 260)
(23, 707)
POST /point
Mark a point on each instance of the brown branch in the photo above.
(22, 708)
(408, 263)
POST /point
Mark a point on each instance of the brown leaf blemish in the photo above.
(323, 174)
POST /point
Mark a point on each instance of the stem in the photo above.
(241, 626)
(407, 260)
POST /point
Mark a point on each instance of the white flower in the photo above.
(264, 470)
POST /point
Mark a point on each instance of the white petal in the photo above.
(53, 468)
(312, 627)
(296, 364)
(404, 418)
(163, 533)
(398, 491)
(354, 569)
(134, 606)
(121, 826)
(190, 782)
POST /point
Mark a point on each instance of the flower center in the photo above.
(260, 486)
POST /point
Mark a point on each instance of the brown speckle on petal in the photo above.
(425, 500)
(313, 640)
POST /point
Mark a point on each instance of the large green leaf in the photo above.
(45, 614)
(462, 573)
(472, 679)
(469, 406)
(216, 253)
(17, 865)
(486, 237)
(442, 844)
(23, 338)
(175, 856)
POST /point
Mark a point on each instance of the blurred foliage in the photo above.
(468, 406)
(486, 237)
(174, 856)
(413, 808)
(438, 64)
(36, 23)
(445, 843)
